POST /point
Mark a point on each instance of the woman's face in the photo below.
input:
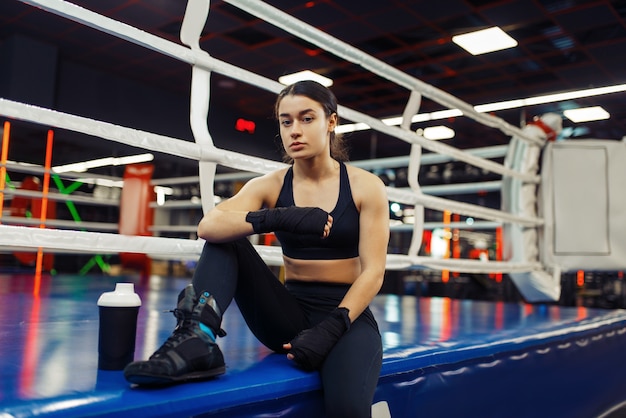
(304, 127)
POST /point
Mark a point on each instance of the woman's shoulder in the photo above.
(275, 177)
(267, 187)
(362, 177)
(364, 183)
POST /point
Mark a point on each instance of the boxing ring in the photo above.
(442, 357)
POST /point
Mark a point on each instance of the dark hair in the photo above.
(315, 91)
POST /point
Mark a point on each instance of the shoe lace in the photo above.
(182, 331)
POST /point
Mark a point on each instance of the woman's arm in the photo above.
(374, 236)
(227, 221)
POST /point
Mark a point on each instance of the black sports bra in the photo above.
(343, 241)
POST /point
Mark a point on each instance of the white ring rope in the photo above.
(209, 156)
(61, 224)
(19, 237)
(60, 197)
(434, 202)
(379, 163)
(134, 137)
(435, 146)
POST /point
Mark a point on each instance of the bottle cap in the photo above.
(123, 296)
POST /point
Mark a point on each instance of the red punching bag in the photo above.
(136, 216)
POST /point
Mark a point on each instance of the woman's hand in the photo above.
(310, 347)
(295, 219)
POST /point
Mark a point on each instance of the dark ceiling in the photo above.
(564, 45)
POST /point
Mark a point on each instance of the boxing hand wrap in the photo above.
(291, 219)
(311, 346)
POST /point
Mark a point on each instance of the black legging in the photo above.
(275, 313)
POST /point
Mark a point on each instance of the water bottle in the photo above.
(118, 327)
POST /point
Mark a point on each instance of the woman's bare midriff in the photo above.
(331, 271)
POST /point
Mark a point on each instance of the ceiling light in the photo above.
(305, 75)
(483, 41)
(351, 127)
(586, 114)
(102, 162)
(437, 132)
(101, 182)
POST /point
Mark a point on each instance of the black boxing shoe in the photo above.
(190, 353)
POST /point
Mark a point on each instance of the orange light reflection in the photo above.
(4, 155)
(446, 321)
(29, 365)
(499, 317)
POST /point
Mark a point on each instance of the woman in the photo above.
(332, 222)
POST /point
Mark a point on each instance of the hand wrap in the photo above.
(291, 219)
(311, 346)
